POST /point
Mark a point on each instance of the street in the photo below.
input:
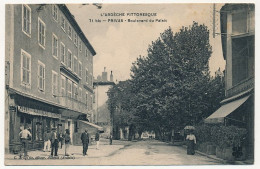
(149, 152)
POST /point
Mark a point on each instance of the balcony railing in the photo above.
(73, 104)
(241, 87)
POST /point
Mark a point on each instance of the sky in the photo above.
(119, 44)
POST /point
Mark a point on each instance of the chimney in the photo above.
(111, 77)
(104, 75)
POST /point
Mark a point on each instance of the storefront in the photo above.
(39, 117)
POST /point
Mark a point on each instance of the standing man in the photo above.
(61, 138)
(111, 138)
(25, 135)
(47, 142)
(67, 142)
(85, 141)
(97, 140)
(54, 142)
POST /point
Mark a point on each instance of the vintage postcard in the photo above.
(129, 84)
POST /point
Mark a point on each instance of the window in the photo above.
(90, 79)
(75, 65)
(62, 52)
(41, 76)
(80, 69)
(54, 83)
(75, 39)
(75, 91)
(55, 12)
(69, 59)
(80, 46)
(63, 85)
(86, 52)
(87, 76)
(41, 33)
(86, 97)
(70, 32)
(54, 46)
(26, 20)
(91, 102)
(63, 21)
(242, 58)
(80, 94)
(26, 68)
(243, 22)
(69, 88)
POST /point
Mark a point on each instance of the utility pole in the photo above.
(214, 19)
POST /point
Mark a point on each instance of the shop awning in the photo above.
(91, 125)
(36, 112)
(219, 115)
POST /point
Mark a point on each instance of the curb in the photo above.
(219, 159)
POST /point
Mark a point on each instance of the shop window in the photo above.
(38, 131)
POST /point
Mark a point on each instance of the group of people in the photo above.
(85, 141)
(53, 140)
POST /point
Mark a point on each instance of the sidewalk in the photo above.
(214, 157)
(104, 150)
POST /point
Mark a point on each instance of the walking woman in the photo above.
(67, 142)
(191, 141)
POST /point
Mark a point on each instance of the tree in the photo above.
(170, 83)
(170, 87)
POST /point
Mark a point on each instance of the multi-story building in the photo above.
(49, 67)
(101, 113)
(238, 44)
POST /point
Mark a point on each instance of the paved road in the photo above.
(157, 153)
(150, 152)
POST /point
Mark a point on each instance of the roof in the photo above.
(102, 83)
(74, 23)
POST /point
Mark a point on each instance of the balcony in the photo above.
(241, 87)
(73, 104)
(69, 73)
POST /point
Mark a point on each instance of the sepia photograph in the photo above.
(129, 84)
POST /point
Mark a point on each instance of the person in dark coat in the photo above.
(85, 141)
(54, 142)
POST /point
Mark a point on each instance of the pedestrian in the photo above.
(47, 142)
(85, 141)
(191, 141)
(25, 135)
(111, 139)
(67, 142)
(97, 140)
(54, 142)
(61, 138)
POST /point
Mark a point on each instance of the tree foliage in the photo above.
(171, 86)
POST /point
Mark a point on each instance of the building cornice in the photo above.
(75, 25)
